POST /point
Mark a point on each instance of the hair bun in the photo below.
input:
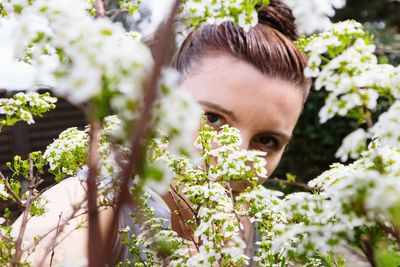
(280, 17)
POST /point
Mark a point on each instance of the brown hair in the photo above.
(268, 46)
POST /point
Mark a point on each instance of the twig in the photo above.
(106, 4)
(114, 13)
(186, 202)
(368, 118)
(302, 186)
(369, 249)
(391, 230)
(234, 211)
(249, 246)
(138, 140)
(18, 244)
(388, 50)
(57, 232)
(99, 7)
(183, 222)
(59, 229)
(11, 191)
(95, 242)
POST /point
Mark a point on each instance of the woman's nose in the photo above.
(246, 140)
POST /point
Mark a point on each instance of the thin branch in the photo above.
(106, 4)
(183, 222)
(11, 191)
(368, 118)
(114, 13)
(57, 232)
(234, 211)
(387, 50)
(95, 242)
(249, 246)
(138, 140)
(369, 249)
(302, 186)
(186, 203)
(18, 244)
(60, 229)
(99, 7)
(5, 238)
(391, 230)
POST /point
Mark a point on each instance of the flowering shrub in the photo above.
(242, 12)
(76, 51)
(359, 195)
(344, 63)
(23, 107)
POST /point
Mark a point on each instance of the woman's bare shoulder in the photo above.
(61, 200)
(63, 227)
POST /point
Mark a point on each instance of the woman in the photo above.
(252, 81)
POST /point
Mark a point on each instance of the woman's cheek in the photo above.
(273, 160)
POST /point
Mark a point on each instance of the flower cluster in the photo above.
(360, 199)
(129, 5)
(387, 126)
(339, 58)
(264, 209)
(18, 75)
(364, 193)
(23, 107)
(67, 156)
(219, 228)
(177, 127)
(352, 145)
(241, 12)
(91, 60)
(355, 204)
(68, 153)
(66, 58)
(96, 61)
(313, 16)
(209, 189)
(3, 192)
(342, 60)
(156, 238)
(232, 163)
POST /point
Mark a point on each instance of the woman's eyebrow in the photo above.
(285, 137)
(221, 109)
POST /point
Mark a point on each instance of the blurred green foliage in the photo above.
(314, 145)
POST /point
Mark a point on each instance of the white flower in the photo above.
(352, 145)
(160, 186)
(95, 54)
(352, 76)
(313, 15)
(242, 12)
(3, 192)
(388, 126)
(178, 114)
(14, 74)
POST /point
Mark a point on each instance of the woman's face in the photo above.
(233, 92)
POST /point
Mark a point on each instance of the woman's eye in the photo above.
(214, 119)
(267, 141)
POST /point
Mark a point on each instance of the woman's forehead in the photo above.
(251, 96)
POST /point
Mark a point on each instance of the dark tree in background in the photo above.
(382, 19)
(371, 11)
(314, 145)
